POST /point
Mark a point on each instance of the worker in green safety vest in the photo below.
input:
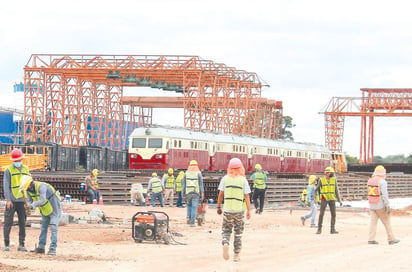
(259, 188)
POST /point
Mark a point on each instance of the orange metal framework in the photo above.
(373, 103)
(75, 100)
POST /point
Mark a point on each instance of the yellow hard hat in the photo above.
(95, 172)
(380, 171)
(312, 179)
(25, 183)
(170, 171)
(154, 174)
(329, 170)
(258, 167)
(193, 162)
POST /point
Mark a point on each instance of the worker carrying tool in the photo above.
(43, 196)
(14, 198)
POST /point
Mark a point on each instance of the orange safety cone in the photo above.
(100, 200)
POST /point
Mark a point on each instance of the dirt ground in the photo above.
(272, 241)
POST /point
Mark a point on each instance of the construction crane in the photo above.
(375, 102)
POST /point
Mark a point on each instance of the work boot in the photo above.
(38, 250)
(257, 211)
(226, 251)
(394, 241)
(303, 220)
(319, 231)
(373, 242)
(22, 248)
(236, 258)
(313, 226)
(333, 231)
(52, 252)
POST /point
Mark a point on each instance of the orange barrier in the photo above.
(33, 161)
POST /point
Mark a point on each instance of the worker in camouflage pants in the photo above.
(234, 189)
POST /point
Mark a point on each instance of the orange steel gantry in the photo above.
(76, 100)
(373, 103)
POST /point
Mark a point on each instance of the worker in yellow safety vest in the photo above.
(234, 190)
(92, 186)
(259, 188)
(192, 187)
(311, 200)
(168, 181)
(14, 198)
(179, 189)
(156, 188)
(379, 207)
(43, 196)
(329, 194)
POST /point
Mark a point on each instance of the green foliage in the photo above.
(287, 122)
(392, 159)
(350, 159)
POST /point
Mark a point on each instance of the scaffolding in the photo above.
(75, 100)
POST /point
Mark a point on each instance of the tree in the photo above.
(409, 158)
(350, 159)
(286, 124)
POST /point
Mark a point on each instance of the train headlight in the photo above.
(133, 156)
(159, 156)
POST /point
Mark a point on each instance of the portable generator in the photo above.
(150, 226)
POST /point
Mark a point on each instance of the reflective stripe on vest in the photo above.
(179, 183)
(374, 194)
(328, 188)
(259, 182)
(233, 194)
(156, 185)
(192, 182)
(46, 209)
(170, 181)
(16, 176)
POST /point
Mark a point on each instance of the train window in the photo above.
(139, 143)
(167, 145)
(155, 142)
(205, 146)
(175, 143)
(180, 143)
(191, 145)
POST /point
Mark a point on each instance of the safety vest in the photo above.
(46, 209)
(374, 195)
(93, 182)
(328, 188)
(156, 185)
(304, 196)
(179, 183)
(170, 181)
(259, 182)
(16, 176)
(233, 194)
(192, 182)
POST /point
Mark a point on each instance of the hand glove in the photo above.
(388, 209)
(219, 210)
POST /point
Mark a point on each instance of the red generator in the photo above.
(150, 226)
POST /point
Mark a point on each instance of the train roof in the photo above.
(184, 133)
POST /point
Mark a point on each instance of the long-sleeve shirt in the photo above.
(384, 196)
(8, 195)
(311, 193)
(45, 194)
(199, 177)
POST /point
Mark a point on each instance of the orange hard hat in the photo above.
(16, 155)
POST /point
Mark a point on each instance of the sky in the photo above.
(307, 51)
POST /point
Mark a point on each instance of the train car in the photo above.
(162, 147)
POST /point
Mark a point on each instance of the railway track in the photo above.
(282, 188)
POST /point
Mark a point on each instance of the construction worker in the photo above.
(259, 188)
(179, 189)
(311, 200)
(156, 187)
(379, 207)
(234, 189)
(14, 198)
(137, 195)
(43, 196)
(168, 181)
(192, 186)
(92, 184)
(329, 194)
(303, 199)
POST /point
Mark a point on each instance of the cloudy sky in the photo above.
(307, 51)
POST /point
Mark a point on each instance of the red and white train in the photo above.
(162, 147)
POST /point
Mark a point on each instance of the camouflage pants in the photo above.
(233, 221)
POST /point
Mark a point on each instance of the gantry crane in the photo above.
(75, 100)
(374, 102)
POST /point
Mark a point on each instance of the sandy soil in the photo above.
(273, 241)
